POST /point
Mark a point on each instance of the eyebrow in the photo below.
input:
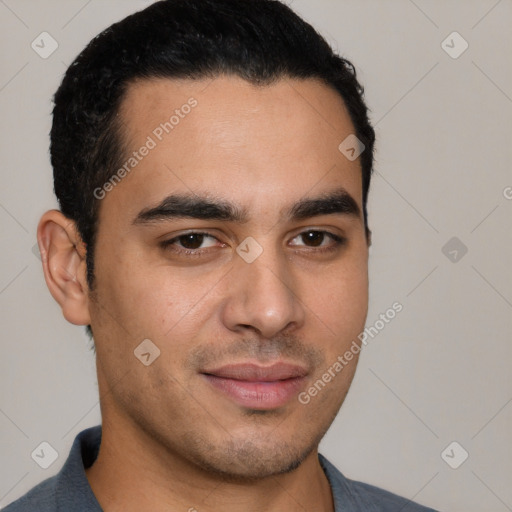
(192, 206)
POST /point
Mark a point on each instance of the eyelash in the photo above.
(338, 242)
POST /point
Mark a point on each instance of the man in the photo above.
(212, 160)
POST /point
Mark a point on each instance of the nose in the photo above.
(264, 297)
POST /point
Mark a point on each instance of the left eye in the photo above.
(316, 238)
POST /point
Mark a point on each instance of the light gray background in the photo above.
(440, 371)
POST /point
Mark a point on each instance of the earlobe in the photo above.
(64, 265)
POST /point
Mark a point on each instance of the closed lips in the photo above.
(250, 372)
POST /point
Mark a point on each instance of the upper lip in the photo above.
(251, 372)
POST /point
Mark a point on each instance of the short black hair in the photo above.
(260, 41)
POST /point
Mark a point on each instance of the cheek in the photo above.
(159, 302)
(340, 299)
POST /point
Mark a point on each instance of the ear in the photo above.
(63, 256)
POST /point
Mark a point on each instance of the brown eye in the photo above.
(193, 243)
(191, 240)
(319, 240)
(313, 238)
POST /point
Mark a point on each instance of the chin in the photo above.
(247, 460)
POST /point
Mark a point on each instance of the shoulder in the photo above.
(386, 501)
(68, 489)
(42, 498)
(357, 496)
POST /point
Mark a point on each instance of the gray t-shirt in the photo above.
(69, 490)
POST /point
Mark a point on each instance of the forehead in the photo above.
(229, 105)
(255, 145)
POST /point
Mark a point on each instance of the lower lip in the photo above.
(258, 395)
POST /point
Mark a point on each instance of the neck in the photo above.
(135, 472)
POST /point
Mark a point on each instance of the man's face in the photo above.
(240, 333)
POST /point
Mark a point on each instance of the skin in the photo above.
(171, 441)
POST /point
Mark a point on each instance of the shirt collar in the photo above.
(73, 491)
